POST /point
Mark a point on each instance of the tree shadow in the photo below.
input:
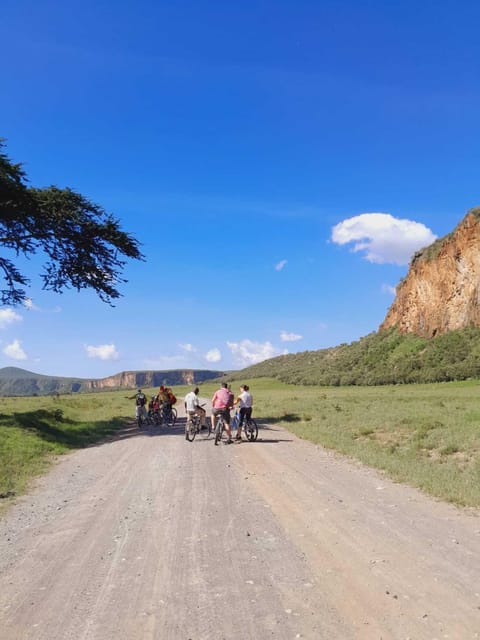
(130, 429)
(55, 428)
(285, 417)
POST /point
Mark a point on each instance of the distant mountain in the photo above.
(20, 382)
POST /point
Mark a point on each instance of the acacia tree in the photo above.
(84, 246)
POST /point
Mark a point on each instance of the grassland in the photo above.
(34, 430)
(427, 435)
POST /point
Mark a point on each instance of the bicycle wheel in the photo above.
(170, 418)
(218, 430)
(251, 430)
(190, 430)
(207, 429)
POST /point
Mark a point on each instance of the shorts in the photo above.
(224, 412)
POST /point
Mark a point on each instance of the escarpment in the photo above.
(441, 291)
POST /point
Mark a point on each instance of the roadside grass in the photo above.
(34, 430)
(427, 435)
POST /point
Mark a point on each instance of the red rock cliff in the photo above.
(441, 291)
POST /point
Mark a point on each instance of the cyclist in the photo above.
(162, 395)
(222, 402)
(193, 408)
(245, 402)
(168, 400)
(140, 402)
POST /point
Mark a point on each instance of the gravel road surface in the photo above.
(149, 536)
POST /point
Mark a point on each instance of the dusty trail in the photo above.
(151, 537)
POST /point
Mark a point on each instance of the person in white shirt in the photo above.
(192, 407)
(245, 402)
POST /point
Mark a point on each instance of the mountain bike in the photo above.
(235, 421)
(141, 416)
(249, 426)
(168, 415)
(219, 427)
(193, 426)
(251, 429)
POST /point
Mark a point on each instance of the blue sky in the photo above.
(243, 144)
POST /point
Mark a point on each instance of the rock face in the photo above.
(19, 382)
(130, 379)
(441, 291)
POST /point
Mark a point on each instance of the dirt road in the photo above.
(151, 537)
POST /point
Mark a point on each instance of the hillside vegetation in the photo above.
(377, 359)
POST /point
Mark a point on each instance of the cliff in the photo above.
(441, 291)
(19, 382)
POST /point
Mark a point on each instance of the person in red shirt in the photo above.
(222, 402)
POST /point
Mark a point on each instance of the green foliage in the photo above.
(85, 246)
(378, 359)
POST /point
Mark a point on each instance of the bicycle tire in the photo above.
(190, 430)
(171, 418)
(218, 430)
(251, 430)
(206, 431)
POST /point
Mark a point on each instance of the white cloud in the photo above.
(248, 352)
(290, 337)
(189, 348)
(103, 352)
(31, 306)
(383, 238)
(214, 355)
(279, 266)
(387, 288)
(14, 350)
(8, 317)
(28, 304)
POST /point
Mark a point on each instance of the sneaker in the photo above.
(229, 441)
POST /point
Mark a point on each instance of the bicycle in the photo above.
(251, 429)
(193, 426)
(168, 416)
(154, 418)
(235, 421)
(220, 427)
(249, 426)
(141, 416)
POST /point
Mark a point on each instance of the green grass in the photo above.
(426, 435)
(34, 430)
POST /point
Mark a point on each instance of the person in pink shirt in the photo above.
(222, 402)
